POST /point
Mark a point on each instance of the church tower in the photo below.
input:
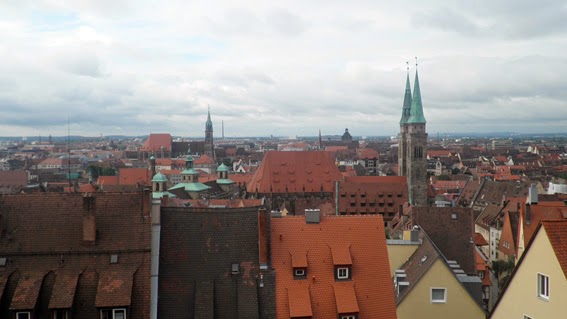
(209, 146)
(412, 152)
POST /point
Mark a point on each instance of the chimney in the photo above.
(165, 200)
(263, 238)
(89, 220)
(414, 235)
(532, 195)
(312, 216)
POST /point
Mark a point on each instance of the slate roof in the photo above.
(198, 248)
(453, 237)
(43, 241)
(294, 172)
(361, 237)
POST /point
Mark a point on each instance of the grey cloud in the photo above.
(285, 22)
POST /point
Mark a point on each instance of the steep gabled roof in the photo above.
(452, 231)
(557, 234)
(155, 142)
(295, 172)
(362, 237)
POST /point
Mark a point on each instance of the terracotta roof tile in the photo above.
(14, 178)
(295, 172)
(299, 301)
(25, 296)
(133, 176)
(299, 260)
(479, 240)
(155, 142)
(556, 231)
(341, 255)
(63, 291)
(115, 288)
(3, 280)
(345, 298)
(370, 270)
(204, 159)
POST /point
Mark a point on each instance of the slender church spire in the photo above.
(407, 100)
(416, 113)
(209, 144)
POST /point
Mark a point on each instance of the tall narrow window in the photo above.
(543, 286)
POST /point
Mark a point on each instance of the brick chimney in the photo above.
(89, 220)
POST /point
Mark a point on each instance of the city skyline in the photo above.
(129, 68)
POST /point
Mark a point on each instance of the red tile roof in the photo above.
(25, 296)
(299, 301)
(17, 178)
(549, 210)
(556, 231)
(295, 172)
(479, 240)
(107, 180)
(371, 282)
(155, 142)
(204, 159)
(345, 298)
(133, 176)
(341, 255)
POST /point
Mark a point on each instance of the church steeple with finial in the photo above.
(407, 100)
(416, 113)
(209, 144)
(412, 147)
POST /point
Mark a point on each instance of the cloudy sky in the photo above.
(283, 68)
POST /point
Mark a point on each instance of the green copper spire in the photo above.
(407, 102)
(416, 113)
(209, 123)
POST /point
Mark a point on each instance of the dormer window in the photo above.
(343, 273)
(299, 273)
(60, 314)
(23, 315)
(117, 313)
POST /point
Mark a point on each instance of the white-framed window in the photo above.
(299, 272)
(23, 315)
(543, 286)
(348, 317)
(438, 295)
(60, 314)
(117, 313)
(481, 274)
(342, 273)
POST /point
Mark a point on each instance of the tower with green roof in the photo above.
(412, 152)
(209, 144)
(190, 187)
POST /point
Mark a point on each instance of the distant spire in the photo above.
(209, 123)
(416, 114)
(407, 99)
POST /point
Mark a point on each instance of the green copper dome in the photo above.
(222, 168)
(159, 178)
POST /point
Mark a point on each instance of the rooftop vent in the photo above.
(312, 216)
(235, 269)
(423, 260)
(113, 259)
(453, 216)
